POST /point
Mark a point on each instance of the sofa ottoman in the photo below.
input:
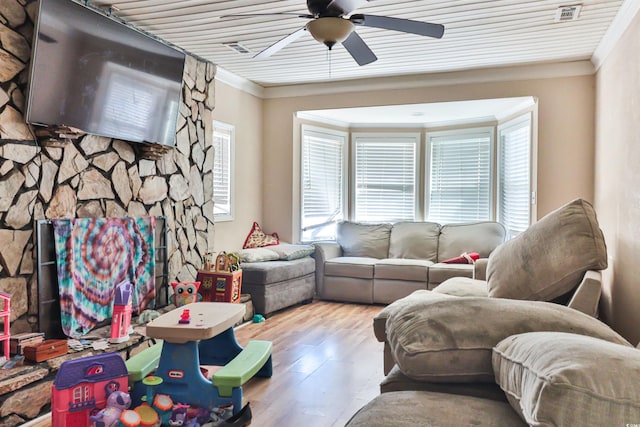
(431, 409)
(278, 284)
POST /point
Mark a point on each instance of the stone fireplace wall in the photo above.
(96, 176)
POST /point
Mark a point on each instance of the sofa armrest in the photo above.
(324, 251)
(480, 269)
(587, 295)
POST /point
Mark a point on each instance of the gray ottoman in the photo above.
(430, 409)
(275, 285)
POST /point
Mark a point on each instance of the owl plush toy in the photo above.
(185, 293)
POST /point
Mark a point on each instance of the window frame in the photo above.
(391, 138)
(341, 137)
(462, 132)
(512, 124)
(231, 129)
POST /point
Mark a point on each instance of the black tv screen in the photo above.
(93, 73)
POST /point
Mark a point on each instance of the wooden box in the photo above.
(47, 349)
(19, 341)
(220, 286)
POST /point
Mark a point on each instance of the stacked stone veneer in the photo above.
(93, 177)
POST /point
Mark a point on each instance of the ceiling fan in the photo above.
(332, 21)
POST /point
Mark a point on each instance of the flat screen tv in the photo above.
(93, 73)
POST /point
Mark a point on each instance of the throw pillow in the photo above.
(464, 258)
(290, 252)
(258, 238)
(550, 258)
(451, 339)
(561, 379)
(257, 255)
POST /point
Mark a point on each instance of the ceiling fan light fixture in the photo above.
(330, 30)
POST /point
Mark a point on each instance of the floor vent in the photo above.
(237, 47)
(568, 13)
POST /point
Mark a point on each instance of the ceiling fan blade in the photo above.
(249, 15)
(399, 24)
(343, 7)
(281, 44)
(359, 49)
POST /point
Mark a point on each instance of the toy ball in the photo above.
(258, 318)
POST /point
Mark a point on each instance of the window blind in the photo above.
(514, 186)
(385, 178)
(323, 181)
(459, 188)
(222, 142)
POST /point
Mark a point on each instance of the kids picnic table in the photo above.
(201, 333)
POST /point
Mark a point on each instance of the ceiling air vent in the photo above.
(568, 13)
(236, 47)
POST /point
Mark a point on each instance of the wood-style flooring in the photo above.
(326, 365)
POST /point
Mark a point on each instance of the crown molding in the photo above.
(233, 80)
(484, 75)
(626, 14)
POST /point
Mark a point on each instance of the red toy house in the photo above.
(82, 385)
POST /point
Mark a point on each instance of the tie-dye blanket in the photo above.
(93, 255)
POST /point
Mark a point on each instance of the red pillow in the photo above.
(258, 239)
(464, 258)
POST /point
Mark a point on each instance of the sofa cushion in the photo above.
(402, 269)
(560, 379)
(549, 258)
(397, 381)
(288, 252)
(276, 271)
(431, 409)
(450, 340)
(257, 255)
(414, 240)
(380, 319)
(482, 237)
(364, 240)
(359, 267)
(440, 272)
(463, 287)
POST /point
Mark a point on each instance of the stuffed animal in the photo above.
(117, 402)
(185, 293)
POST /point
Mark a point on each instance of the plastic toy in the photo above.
(117, 402)
(5, 315)
(82, 387)
(121, 317)
(185, 293)
(185, 317)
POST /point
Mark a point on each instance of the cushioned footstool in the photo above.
(430, 409)
(275, 285)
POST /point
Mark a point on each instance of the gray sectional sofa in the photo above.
(501, 351)
(380, 263)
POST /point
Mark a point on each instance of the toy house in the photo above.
(5, 316)
(121, 317)
(82, 386)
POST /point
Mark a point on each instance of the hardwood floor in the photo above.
(326, 365)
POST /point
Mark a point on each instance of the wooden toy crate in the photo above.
(220, 286)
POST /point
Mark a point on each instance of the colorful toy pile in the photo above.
(92, 392)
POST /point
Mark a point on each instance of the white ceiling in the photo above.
(478, 34)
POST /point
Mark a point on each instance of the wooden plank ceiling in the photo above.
(478, 34)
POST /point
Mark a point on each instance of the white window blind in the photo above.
(459, 187)
(385, 178)
(223, 143)
(514, 186)
(323, 172)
